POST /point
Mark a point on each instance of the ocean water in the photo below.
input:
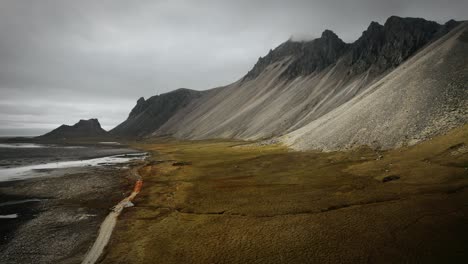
(21, 145)
(28, 160)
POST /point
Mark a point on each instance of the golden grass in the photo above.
(239, 203)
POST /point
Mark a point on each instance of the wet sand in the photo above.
(62, 226)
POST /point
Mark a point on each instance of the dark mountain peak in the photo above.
(150, 114)
(328, 34)
(316, 55)
(374, 24)
(393, 20)
(141, 100)
(399, 22)
(449, 25)
(82, 129)
(138, 108)
(384, 47)
(380, 48)
(306, 56)
(90, 123)
(177, 93)
(410, 24)
(330, 40)
(452, 23)
(181, 91)
(373, 28)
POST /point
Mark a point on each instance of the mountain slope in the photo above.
(425, 96)
(149, 115)
(299, 82)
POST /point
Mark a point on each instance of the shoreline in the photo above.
(38, 170)
(18, 157)
(60, 219)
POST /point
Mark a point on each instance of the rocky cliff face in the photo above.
(149, 115)
(303, 57)
(424, 96)
(380, 48)
(384, 47)
(82, 129)
(139, 108)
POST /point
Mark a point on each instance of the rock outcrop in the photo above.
(83, 129)
(139, 108)
(149, 115)
(384, 47)
(303, 57)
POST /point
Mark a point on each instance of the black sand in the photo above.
(60, 219)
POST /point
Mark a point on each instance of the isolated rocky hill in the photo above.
(399, 83)
(83, 129)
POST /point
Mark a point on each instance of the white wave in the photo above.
(30, 171)
(9, 216)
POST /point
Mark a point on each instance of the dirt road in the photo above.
(108, 225)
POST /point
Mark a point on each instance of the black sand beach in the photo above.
(58, 215)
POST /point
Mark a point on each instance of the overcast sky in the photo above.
(61, 61)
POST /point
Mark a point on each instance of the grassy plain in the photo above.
(235, 202)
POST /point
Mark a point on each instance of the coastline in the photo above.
(18, 157)
(59, 214)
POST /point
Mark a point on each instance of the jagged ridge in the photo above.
(305, 57)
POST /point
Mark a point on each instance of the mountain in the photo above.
(425, 96)
(82, 129)
(149, 115)
(399, 83)
(309, 56)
